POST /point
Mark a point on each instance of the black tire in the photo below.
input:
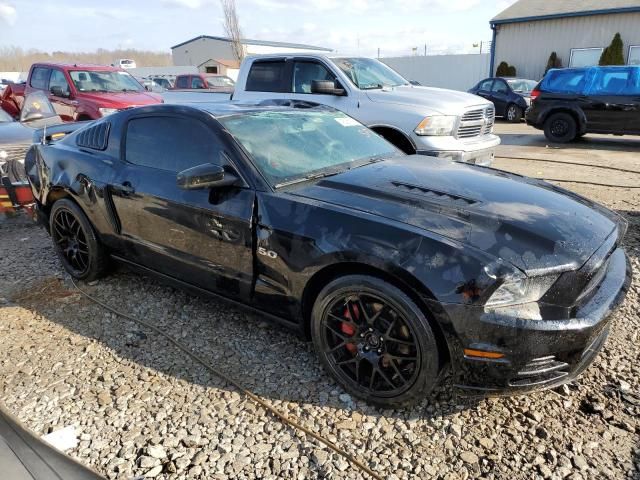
(75, 242)
(389, 357)
(560, 128)
(514, 113)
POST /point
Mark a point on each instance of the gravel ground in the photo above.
(141, 407)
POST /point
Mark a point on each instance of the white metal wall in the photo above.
(528, 45)
(456, 72)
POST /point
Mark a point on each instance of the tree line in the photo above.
(17, 59)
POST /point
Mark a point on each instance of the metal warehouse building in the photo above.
(215, 55)
(526, 33)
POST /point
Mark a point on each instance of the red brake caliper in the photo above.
(349, 329)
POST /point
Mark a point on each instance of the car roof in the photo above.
(226, 109)
(78, 66)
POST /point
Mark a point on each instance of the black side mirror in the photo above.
(204, 176)
(59, 92)
(327, 87)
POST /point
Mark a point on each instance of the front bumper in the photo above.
(478, 150)
(537, 353)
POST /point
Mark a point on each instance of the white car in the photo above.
(125, 63)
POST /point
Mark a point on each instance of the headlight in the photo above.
(519, 290)
(437, 125)
(107, 111)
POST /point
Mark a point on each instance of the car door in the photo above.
(609, 106)
(202, 237)
(484, 88)
(60, 95)
(500, 96)
(633, 124)
(182, 82)
(304, 72)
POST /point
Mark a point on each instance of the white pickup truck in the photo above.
(424, 120)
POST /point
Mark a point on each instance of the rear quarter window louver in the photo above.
(95, 138)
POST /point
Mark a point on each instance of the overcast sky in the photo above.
(348, 26)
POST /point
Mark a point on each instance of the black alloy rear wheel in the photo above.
(75, 241)
(560, 128)
(375, 341)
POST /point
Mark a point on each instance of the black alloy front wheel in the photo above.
(375, 341)
(75, 241)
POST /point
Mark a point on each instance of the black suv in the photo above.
(568, 103)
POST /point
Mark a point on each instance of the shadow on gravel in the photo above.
(536, 138)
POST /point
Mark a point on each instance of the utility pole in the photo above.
(378, 53)
(425, 49)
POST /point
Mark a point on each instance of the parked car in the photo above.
(164, 82)
(392, 266)
(510, 96)
(16, 136)
(204, 81)
(79, 92)
(125, 63)
(429, 121)
(572, 102)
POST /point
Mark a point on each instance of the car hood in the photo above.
(448, 102)
(527, 222)
(121, 99)
(22, 133)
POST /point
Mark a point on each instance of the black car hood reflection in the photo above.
(527, 222)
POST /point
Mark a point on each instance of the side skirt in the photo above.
(294, 326)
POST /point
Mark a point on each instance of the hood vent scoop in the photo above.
(434, 195)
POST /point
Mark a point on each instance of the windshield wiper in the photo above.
(371, 87)
(311, 176)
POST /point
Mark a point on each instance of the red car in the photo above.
(80, 92)
(204, 81)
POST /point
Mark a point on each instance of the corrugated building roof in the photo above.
(247, 41)
(530, 10)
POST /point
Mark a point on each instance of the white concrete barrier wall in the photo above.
(456, 72)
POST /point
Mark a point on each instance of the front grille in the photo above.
(540, 371)
(476, 122)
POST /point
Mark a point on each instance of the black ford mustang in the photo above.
(394, 265)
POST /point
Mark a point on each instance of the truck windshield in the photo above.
(104, 81)
(292, 146)
(368, 73)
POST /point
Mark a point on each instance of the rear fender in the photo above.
(569, 108)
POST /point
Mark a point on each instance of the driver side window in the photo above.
(196, 82)
(58, 79)
(170, 143)
(305, 72)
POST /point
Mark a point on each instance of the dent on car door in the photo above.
(202, 237)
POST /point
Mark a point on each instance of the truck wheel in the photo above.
(560, 128)
(75, 242)
(375, 341)
(514, 113)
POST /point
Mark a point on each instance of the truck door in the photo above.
(304, 72)
(60, 95)
(202, 237)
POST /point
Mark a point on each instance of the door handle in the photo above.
(125, 189)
